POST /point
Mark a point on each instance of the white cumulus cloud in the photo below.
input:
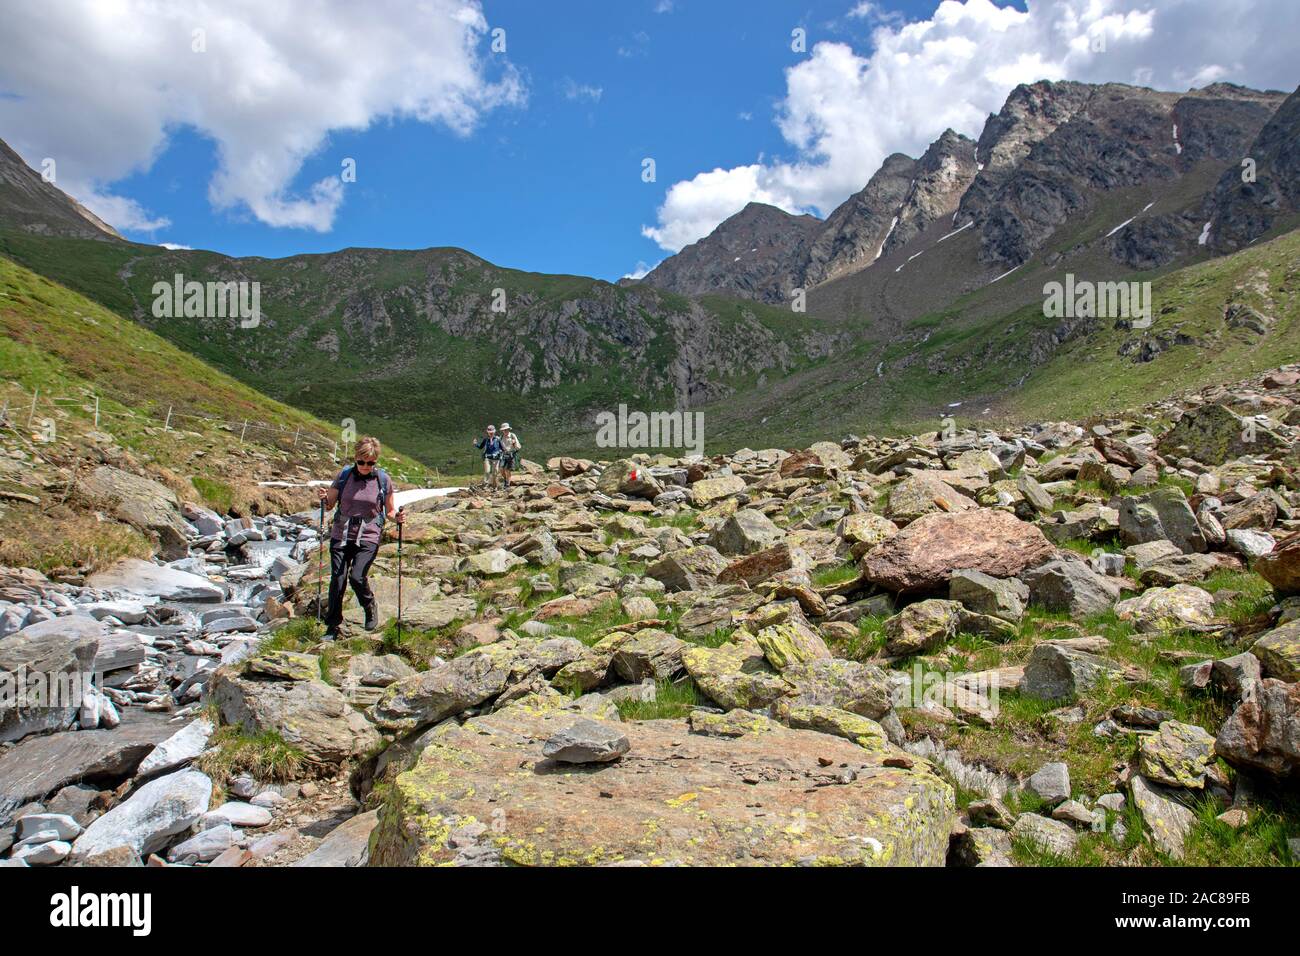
(102, 84)
(845, 110)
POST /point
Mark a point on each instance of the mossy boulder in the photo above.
(482, 792)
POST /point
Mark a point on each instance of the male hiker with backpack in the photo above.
(490, 445)
(364, 495)
(510, 446)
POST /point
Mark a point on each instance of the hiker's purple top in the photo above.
(359, 505)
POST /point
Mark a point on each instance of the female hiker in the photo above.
(364, 495)
(510, 446)
(490, 445)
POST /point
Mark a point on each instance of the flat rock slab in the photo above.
(41, 765)
(924, 555)
(769, 798)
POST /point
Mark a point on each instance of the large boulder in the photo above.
(1279, 652)
(735, 675)
(745, 532)
(1071, 586)
(446, 690)
(1263, 733)
(141, 502)
(675, 797)
(167, 584)
(439, 612)
(1058, 672)
(1181, 607)
(628, 478)
(1161, 514)
(1281, 567)
(150, 818)
(309, 715)
(923, 556)
(48, 669)
(1213, 434)
(688, 569)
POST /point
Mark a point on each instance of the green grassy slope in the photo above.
(62, 344)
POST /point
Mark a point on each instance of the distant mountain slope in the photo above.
(1055, 155)
(41, 208)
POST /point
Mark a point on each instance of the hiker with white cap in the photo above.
(510, 446)
(490, 445)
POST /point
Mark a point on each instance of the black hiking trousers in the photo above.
(361, 557)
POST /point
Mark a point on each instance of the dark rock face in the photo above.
(39, 207)
(758, 253)
(856, 232)
(1240, 211)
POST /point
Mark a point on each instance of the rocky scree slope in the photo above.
(1058, 641)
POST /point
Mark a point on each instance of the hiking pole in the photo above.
(399, 577)
(320, 558)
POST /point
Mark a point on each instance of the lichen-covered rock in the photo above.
(1178, 755)
(865, 530)
(284, 665)
(648, 653)
(688, 569)
(1161, 514)
(923, 626)
(709, 490)
(675, 798)
(791, 642)
(1051, 836)
(924, 494)
(745, 532)
(863, 731)
(733, 723)
(923, 556)
(735, 675)
(1279, 652)
(1168, 821)
(854, 686)
(997, 597)
(1213, 434)
(1181, 607)
(446, 690)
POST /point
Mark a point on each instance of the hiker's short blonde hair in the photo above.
(368, 447)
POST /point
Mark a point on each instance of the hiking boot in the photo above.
(372, 616)
(331, 633)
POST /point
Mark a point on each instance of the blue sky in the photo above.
(533, 158)
(556, 185)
